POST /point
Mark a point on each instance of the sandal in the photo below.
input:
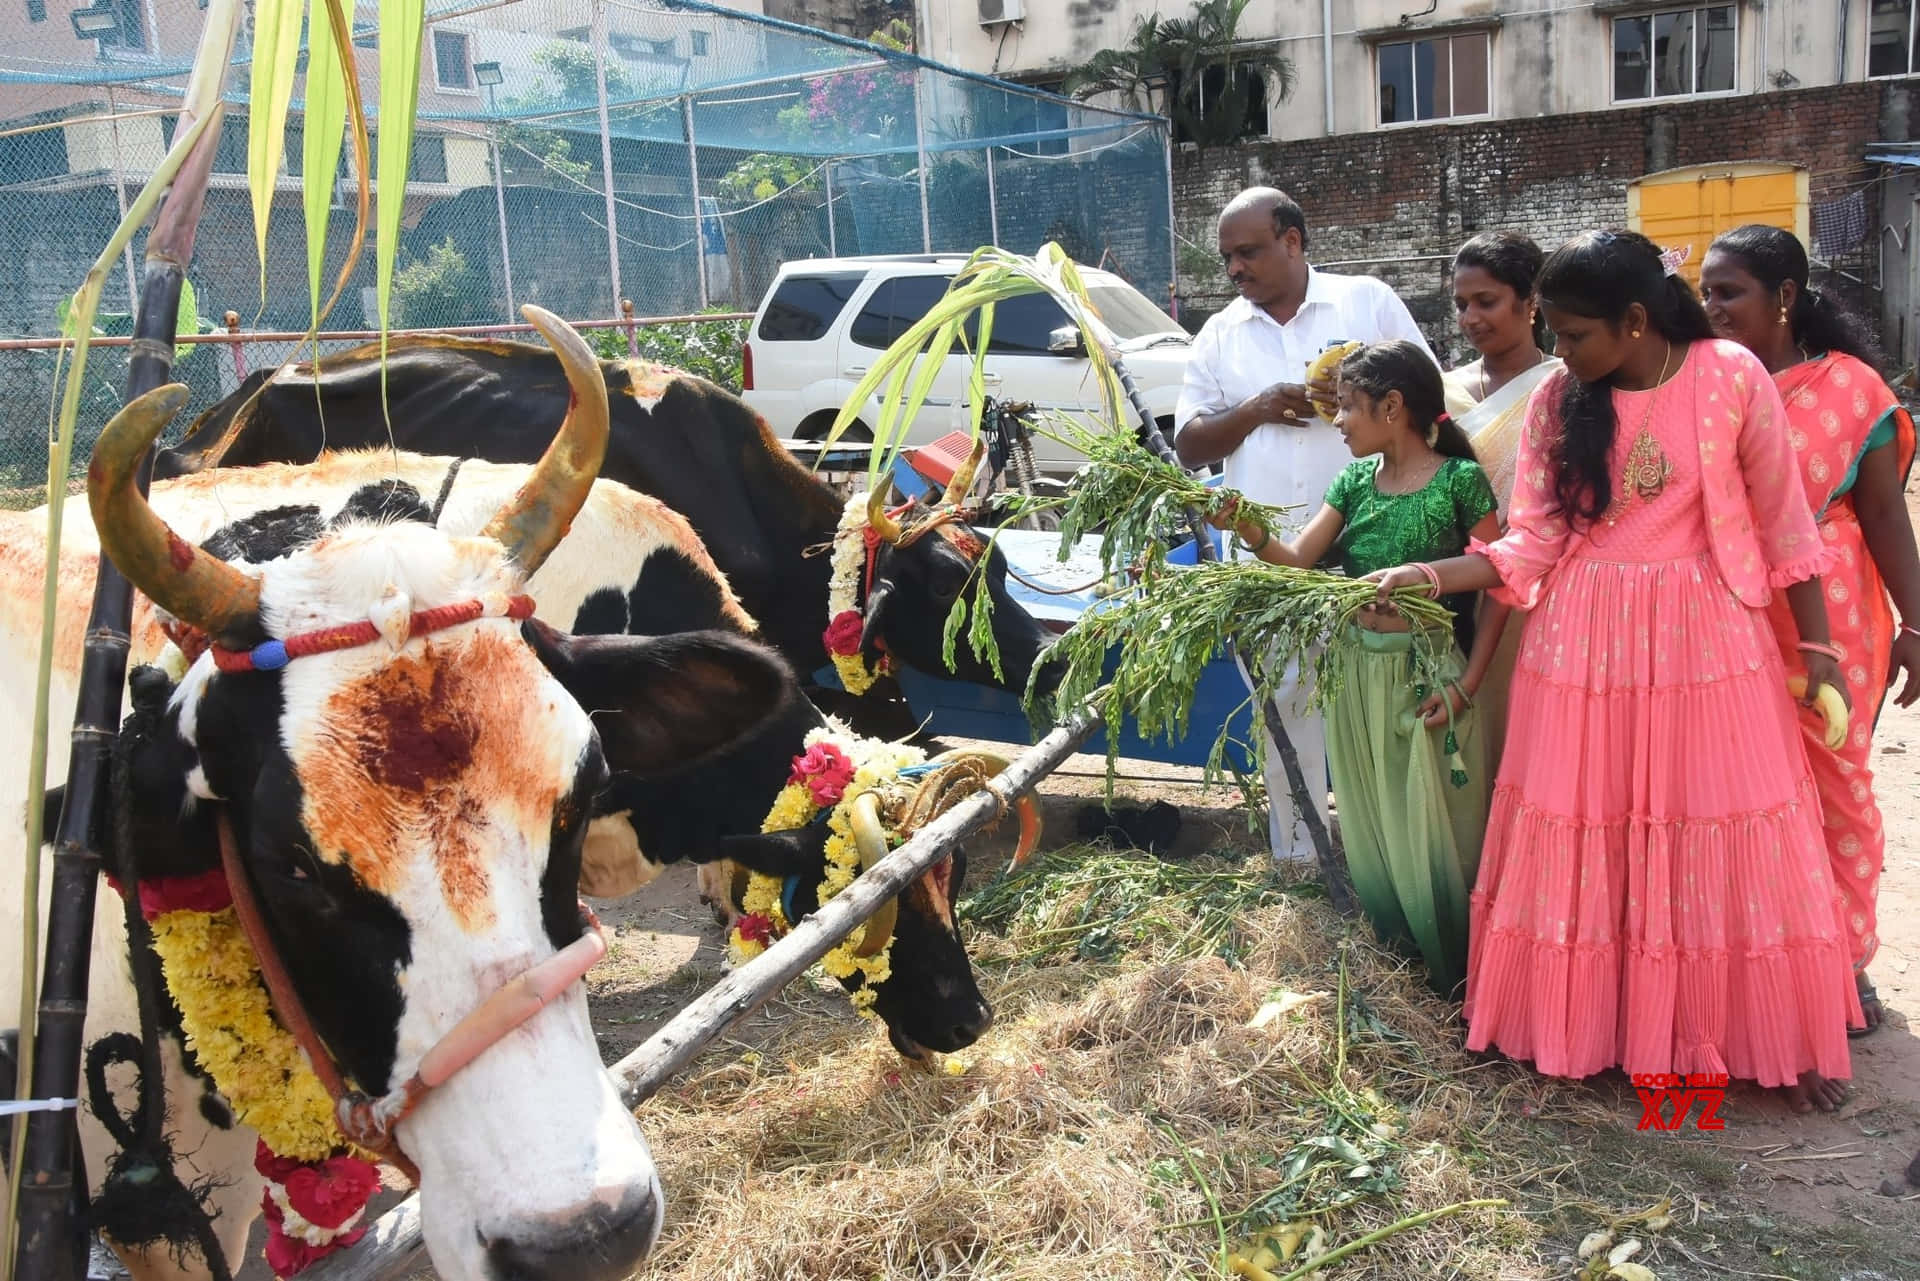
(1868, 997)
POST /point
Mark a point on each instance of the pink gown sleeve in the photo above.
(1790, 542)
(1536, 538)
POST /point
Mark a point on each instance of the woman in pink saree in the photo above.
(1853, 445)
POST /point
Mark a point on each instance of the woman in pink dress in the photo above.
(1853, 447)
(1654, 893)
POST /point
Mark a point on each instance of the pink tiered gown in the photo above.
(1654, 892)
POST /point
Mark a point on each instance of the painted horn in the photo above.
(534, 521)
(884, 525)
(963, 475)
(870, 839)
(197, 588)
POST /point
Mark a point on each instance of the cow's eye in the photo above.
(949, 579)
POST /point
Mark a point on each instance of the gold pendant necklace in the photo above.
(1648, 467)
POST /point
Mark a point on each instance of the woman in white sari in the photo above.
(1493, 296)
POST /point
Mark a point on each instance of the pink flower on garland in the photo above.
(843, 633)
(756, 927)
(328, 1194)
(825, 770)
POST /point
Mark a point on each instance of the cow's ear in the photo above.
(797, 852)
(662, 703)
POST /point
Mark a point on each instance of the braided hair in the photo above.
(1599, 275)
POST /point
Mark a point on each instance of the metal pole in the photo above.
(920, 149)
(693, 172)
(120, 198)
(1326, 56)
(833, 246)
(606, 145)
(1173, 235)
(993, 202)
(500, 208)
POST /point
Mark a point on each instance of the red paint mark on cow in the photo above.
(431, 757)
(180, 553)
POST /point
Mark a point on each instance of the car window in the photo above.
(893, 308)
(803, 308)
(1129, 313)
(1023, 323)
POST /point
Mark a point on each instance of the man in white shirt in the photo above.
(1244, 404)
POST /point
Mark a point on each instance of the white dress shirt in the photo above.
(1242, 351)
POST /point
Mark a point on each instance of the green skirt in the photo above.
(1412, 811)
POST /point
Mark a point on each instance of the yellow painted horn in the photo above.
(199, 589)
(963, 475)
(870, 839)
(884, 525)
(534, 521)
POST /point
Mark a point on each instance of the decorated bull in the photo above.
(408, 775)
(695, 447)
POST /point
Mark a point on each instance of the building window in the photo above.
(697, 43)
(1674, 53)
(131, 34)
(661, 48)
(1439, 79)
(452, 60)
(1891, 38)
(36, 10)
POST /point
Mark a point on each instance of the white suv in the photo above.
(825, 321)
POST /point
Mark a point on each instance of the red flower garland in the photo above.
(756, 927)
(825, 770)
(327, 1195)
(843, 634)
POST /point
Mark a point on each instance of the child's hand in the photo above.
(1392, 580)
(1435, 709)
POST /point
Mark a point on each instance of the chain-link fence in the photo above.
(574, 153)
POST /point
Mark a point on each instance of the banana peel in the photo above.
(1833, 708)
(1323, 368)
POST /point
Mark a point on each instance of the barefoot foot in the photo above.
(1813, 1091)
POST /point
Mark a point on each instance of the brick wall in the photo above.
(1402, 193)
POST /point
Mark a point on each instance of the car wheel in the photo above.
(817, 427)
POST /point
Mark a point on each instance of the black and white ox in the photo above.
(697, 448)
(410, 814)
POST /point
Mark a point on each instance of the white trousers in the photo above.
(1287, 834)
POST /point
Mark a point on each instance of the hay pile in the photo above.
(1178, 1066)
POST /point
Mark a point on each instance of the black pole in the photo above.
(51, 1228)
(1156, 441)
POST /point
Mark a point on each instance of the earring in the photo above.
(1633, 333)
(1783, 314)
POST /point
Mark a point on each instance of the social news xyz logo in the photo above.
(1666, 1099)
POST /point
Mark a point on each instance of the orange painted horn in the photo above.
(534, 521)
(197, 588)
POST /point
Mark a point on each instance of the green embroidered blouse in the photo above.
(1431, 523)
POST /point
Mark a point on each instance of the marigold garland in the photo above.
(317, 1188)
(836, 768)
(844, 623)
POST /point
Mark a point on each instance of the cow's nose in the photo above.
(973, 1027)
(605, 1241)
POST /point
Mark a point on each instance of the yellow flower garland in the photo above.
(849, 560)
(254, 1062)
(876, 764)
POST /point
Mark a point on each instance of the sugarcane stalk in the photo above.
(1155, 440)
(50, 1222)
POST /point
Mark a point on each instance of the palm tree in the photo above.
(1205, 74)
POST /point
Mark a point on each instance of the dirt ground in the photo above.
(1818, 1196)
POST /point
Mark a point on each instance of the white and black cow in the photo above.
(410, 813)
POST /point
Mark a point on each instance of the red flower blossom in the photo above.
(843, 633)
(203, 892)
(825, 770)
(287, 1255)
(273, 1167)
(328, 1194)
(756, 927)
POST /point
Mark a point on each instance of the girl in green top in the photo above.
(1408, 771)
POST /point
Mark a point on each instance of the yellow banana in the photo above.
(1831, 705)
(1324, 366)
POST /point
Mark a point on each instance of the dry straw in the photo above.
(1185, 1059)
